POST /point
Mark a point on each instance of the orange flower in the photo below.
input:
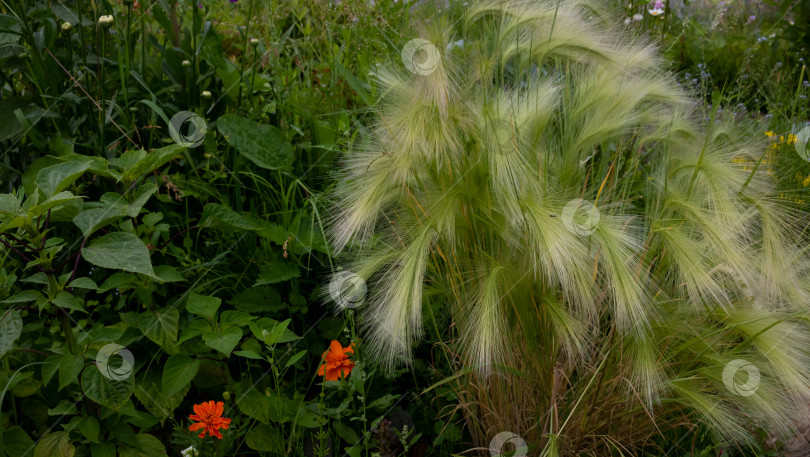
(209, 419)
(337, 363)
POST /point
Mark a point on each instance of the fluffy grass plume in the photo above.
(550, 184)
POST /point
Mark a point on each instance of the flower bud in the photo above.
(66, 26)
(205, 95)
(186, 63)
(254, 42)
(226, 395)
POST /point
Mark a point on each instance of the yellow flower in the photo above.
(769, 133)
(791, 139)
(806, 182)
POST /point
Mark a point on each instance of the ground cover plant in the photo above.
(363, 228)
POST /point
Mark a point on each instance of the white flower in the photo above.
(658, 8)
(105, 20)
(265, 333)
(254, 41)
(627, 21)
(189, 452)
(186, 63)
(638, 16)
(66, 26)
(205, 94)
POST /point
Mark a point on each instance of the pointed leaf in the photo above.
(262, 144)
(122, 251)
(178, 372)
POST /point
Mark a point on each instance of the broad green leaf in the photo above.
(178, 372)
(262, 144)
(70, 367)
(160, 326)
(121, 251)
(64, 408)
(203, 305)
(221, 217)
(89, 428)
(9, 205)
(50, 367)
(142, 195)
(55, 444)
(265, 438)
(231, 317)
(105, 391)
(148, 446)
(295, 358)
(195, 329)
(105, 449)
(17, 443)
(277, 271)
(83, 283)
(148, 392)
(59, 199)
(93, 219)
(56, 178)
(67, 301)
(11, 325)
(24, 296)
(152, 161)
(271, 331)
(168, 273)
(248, 355)
(224, 340)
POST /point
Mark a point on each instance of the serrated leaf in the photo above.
(68, 301)
(105, 391)
(9, 206)
(24, 296)
(55, 444)
(121, 251)
(56, 178)
(203, 305)
(262, 144)
(11, 325)
(83, 283)
(178, 372)
(223, 341)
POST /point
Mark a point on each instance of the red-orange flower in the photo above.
(209, 418)
(337, 363)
